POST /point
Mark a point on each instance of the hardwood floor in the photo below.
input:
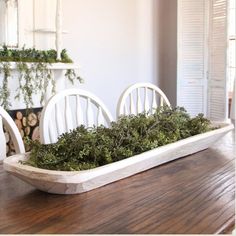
(191, 195)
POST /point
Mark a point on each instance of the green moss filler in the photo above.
(86, 148)
(33, 55)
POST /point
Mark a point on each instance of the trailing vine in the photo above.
(72, 76)
(34, 75)
(4, 90)
(33, 78)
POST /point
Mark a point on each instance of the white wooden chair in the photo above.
(141, 97)
(67, 110)
(14, 133)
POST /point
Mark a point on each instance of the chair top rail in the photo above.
(78, 93)
(126, 94)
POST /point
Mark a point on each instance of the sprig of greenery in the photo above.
(4, 90)
(33, 78)
(86, 148)
(72, 76)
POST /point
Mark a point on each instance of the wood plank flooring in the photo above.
(192, 195)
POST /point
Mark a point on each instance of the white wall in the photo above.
(168, 48)
(113, 42)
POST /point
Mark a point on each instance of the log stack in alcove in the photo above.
(27, 124)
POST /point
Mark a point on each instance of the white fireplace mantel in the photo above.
(30, 30)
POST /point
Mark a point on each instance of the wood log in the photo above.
(7, 148)
(39, 115)
(24, 121)
(7, 137)
(27, 130)
(32, 119)
(11, 145)
(36, 134)
(18, 124)
(27, 147)
(19, 115)
(22, 133)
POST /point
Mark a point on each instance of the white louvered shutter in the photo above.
(217, 95)
(191, 69)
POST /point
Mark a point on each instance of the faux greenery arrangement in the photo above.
(33, 55)
(86, 148)
(34, 74)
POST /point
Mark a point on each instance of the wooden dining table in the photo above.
(191, 195)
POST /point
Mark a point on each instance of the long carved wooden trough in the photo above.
(72, 182)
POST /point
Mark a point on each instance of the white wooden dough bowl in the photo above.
(72, 182)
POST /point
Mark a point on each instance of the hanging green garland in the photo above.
(4, 90)
(34, 74)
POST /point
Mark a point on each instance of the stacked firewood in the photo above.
(28, 126)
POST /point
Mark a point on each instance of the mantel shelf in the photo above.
(50, 31)
(63, 66)
(53, 66)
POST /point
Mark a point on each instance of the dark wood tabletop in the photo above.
(191, 195)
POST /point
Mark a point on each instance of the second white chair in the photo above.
(141, 97)
(67, 110)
